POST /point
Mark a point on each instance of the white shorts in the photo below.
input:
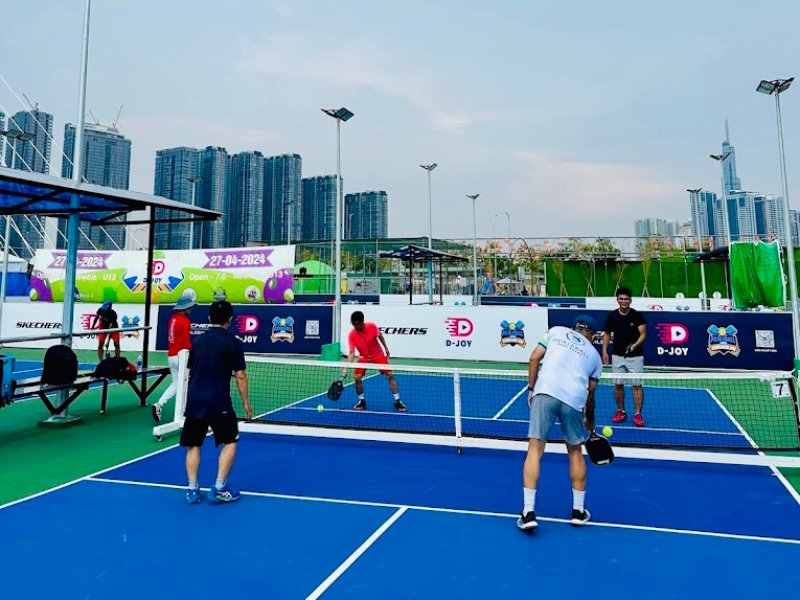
(627, 364)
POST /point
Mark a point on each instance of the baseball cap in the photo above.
(585, 322)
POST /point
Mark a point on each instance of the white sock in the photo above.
(578, 498)
(193, 485)
(220, 483)
(528, 500)
(361, 396)
(397, 397)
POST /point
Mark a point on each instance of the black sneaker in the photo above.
(580, 518)
(527, 521)
(157, 413)
(398, 405)
(360, 405)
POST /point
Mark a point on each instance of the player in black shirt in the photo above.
(107, 318)
(629, 330)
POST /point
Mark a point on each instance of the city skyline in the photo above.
(529, 106)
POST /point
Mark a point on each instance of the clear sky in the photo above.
(575, 117)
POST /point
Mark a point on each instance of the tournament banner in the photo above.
(706, 340)
(497, 333)
(239, 275)
(288, 329)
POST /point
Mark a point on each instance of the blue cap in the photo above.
(106, 304)
(585, 322)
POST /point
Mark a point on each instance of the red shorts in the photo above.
(101, 337)
(378, 360)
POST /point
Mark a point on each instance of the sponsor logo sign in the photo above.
(458, 329)
(765, 340)
(512, 334)
(282, 329)
(674, 336)
(723, 340)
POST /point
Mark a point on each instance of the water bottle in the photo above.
(139, 363)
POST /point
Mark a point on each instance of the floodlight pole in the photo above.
(341, 114)
(430, 168)
(77, 170)
(777, 87)
(474, 197)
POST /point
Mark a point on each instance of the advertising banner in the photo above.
(239, 275)
(707, 340)
(27, 320)
(496, 333)
(288, 329)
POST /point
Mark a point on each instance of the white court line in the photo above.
(322, 587)
(479, 513)
(510, 402)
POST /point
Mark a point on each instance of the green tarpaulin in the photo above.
(756, 275)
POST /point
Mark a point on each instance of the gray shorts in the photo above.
(627, 364)
(545, 410)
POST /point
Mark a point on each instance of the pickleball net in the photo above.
(738, 416)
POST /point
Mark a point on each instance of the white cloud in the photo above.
(589, 198)
(355, 64)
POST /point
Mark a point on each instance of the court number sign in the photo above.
(780, 389)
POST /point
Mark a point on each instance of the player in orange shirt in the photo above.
(372, 348)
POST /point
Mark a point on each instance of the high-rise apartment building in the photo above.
(366, 215)
(106, 160)
(176, 177)
(319, 208)
(32, 155)
(245, 207)
(213, 194)
(702, 207)
(659, 227)
(283, 196)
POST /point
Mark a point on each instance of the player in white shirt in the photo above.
(562, 388)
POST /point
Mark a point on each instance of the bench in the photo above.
(33, 388)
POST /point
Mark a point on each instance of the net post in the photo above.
(457, 407)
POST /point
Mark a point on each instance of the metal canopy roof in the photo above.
(22, 192)
(414, 253)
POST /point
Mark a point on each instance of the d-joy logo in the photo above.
(458, 327)
(673, 335)
(246, 327)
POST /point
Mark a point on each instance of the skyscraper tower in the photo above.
(176, 169)
(245, 209)
(319, 208)
(32, 155)
(731, 181)
(366, 215)
(283, 196)
(35, 154)
(106, 161)
(213, 194)
(702, 206)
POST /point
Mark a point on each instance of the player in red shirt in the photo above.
(178, 332)
(372, 348)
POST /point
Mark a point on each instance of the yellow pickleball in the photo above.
(607, 431)
(320, 408)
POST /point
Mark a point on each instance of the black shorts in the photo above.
(226, 431)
